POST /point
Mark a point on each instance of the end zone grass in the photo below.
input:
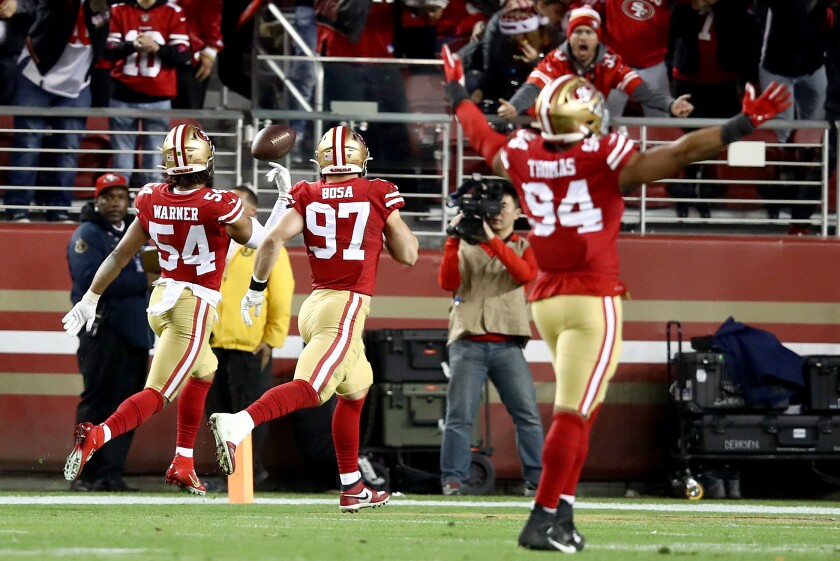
(409, 529)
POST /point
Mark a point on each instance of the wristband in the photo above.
(91, 297)
(736, 128)
(455, 94)
(258, 285)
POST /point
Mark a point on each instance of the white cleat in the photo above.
(228, 431)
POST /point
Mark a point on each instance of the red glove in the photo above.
(453, 70)
(773, 100)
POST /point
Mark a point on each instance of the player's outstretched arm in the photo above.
(290, 225)
(84, 311)
(400, 241)
(482, 137)
(668, 160)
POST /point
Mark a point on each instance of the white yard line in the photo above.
(701, 507)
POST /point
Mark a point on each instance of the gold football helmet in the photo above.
(187, 149)
(569, 109)
(342, 150)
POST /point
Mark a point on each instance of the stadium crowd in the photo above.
(649, 57)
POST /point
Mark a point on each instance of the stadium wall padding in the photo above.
(786, 285)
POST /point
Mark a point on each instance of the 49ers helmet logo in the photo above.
(638, 9)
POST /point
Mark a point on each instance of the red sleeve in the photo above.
(482, 137)
(522, 269)
(449, 275)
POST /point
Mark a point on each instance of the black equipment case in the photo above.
(822, 380)
(407, 355)
(701, 384)
(764, 434)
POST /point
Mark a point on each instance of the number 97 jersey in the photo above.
(188, 228)
(574, 205)
(343, 225)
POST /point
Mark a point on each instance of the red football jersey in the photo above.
(343, 232)
(144, 72)
(711, 71)
(638, 30)
(188, 228)
(574, 205)
(610, 72)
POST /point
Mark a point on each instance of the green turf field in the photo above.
(35, 527)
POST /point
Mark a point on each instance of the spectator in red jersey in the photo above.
(204, 26)
(571, 178)
(583, 54)
(638, 31)
(418, 36)
(462, 18)
(514, 42)
(712, 57)
(147, 42)
(365, 29)
(191, 255)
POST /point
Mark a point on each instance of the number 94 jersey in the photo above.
(574, 205)
(343, 225)
(188, 228)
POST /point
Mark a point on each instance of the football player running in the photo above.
(343, 217)
(192, 225)
(571, 176)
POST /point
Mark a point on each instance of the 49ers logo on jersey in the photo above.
(640, 9)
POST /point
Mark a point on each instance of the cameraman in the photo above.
(488, 328)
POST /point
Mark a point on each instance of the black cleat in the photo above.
(564, 526)
(539, 533)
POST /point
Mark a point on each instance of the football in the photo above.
(273, 142)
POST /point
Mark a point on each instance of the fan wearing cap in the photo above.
(585, 55)
(114, 354)
(515, 40)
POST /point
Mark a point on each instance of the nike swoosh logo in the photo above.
(365, 495)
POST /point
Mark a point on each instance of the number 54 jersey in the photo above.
(188, 228)
(574, 205)
(343, 225)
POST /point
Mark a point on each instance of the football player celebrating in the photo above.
(343, 217)
(192, 225)
(571, 178)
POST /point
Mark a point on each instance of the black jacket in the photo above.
(53, 27)
(794, 35)
(737, 35)
(18, 26)
(122, 308)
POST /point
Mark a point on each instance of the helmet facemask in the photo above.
(342, 150)
(570, 109)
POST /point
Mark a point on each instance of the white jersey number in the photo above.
(575, 210)
(321, 220)
(196, 249)
(143, 64)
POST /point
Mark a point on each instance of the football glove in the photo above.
(453, 69)
(772, 101)
(279, 175)
(252, 299)
(82, 314)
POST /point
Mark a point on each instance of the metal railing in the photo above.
(441, 158)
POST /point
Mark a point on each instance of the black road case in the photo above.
(407, 355)
(822, 380)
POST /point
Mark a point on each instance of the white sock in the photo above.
(568, 498)
(184, 452)
(106, 432)
(246, 423)
(350, 478)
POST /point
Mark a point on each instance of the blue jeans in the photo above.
(808, 96)
(470, 363)
(303, 72)
(28, 94)
(128, 142)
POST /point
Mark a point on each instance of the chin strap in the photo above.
(482, 137)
